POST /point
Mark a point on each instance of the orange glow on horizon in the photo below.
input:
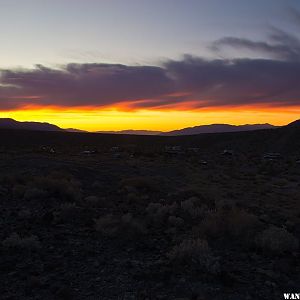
(163, 118)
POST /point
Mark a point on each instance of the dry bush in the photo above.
(143, 184)
(92, 201)
(56, 185)
(25, 214)
(277, 241)
(175, 221)
(281, 182)
(152, 208)
(107, 225)
(34, 193)
(124, 227)
(223, 204)
(195, 253)
(131, 226)
(193, 208)
(66, 212)
(13, 179)
(18, 191)
(17, 242)
(158, 213)
(234, 223)
(60, 188)
(74, 214)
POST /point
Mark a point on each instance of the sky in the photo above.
(150, 64)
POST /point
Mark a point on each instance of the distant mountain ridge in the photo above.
(134, 132)
(8, 123)
(295, 124)
(213, 128)
(74, 130)
(218, 128)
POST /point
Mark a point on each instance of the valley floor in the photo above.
(148, 226)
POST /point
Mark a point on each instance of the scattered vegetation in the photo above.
(120, 226)
(230, 223)
(196, 254)
(15, 241)
(148, 225)
(277, 241)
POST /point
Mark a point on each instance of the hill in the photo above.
(213, 128)
(13, 124)
(216, 128)
(134, 132)
(283, 139)
(295, 124)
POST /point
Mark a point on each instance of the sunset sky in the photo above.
(150, 64)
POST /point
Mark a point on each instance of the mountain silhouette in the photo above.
(295, 124)
(284, 140)
(213, 128)
(134, 132)
(8, 123)
(218, 128)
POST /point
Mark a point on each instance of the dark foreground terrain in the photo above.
(88, 216)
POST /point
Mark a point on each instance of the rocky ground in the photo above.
(107, 226)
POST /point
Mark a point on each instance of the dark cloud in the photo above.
(295, 14)
(189, 81)
(238, 82)
(83, 84)
(280, 45)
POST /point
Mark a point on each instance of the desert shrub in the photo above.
(152, 208)
(277, 240)
(226, 203)
(188, 204)
(3, 191)
(17, 242)
(73, 214)
(234, 223)
(97, 185)
(175, 221)
(66, 211)
(61, 188)
(125, 226)
(25, 214)
(280, 182)
(195, 253)
(193, 208)
(12, 180)
(107, 225)
(56, 185)
(143, 184)
(132, 197)
(18, 191)
(158, 213)
(91, 200)
(34, 193)
(131, 225)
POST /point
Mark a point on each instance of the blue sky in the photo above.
(130, 31)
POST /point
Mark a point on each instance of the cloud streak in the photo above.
(280, 45)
